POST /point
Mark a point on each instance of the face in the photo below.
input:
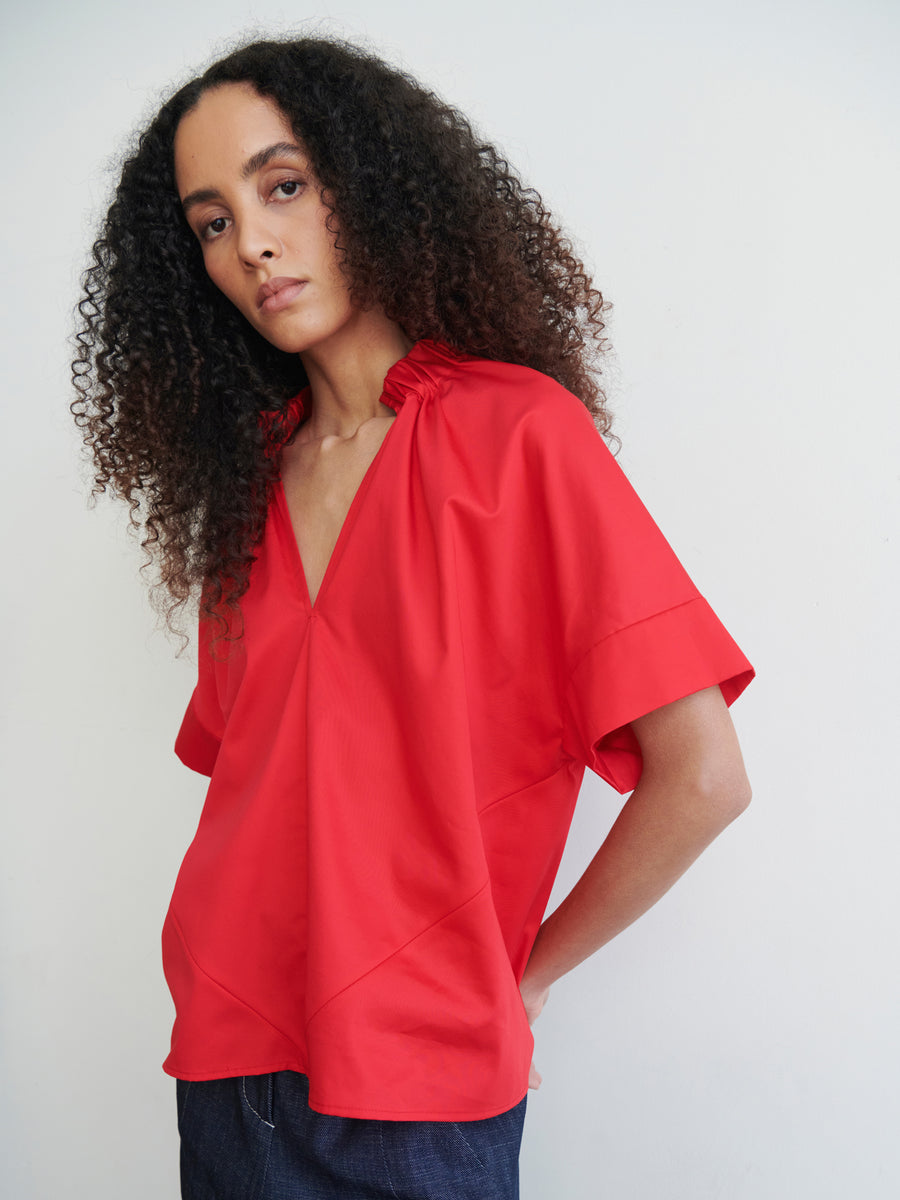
(256, 208)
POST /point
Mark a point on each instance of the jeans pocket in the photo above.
(469, 1160)
(257, 1094)
(226, 1132)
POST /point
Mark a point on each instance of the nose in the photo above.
(257, 241)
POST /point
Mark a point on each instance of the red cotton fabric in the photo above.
(394, 769)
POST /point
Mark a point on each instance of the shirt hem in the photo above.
(336, 1109)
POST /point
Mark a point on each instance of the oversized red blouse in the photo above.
(394, 768)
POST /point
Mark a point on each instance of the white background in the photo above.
(731, 172)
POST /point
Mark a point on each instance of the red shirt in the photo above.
(394, 768)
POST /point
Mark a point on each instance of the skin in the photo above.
(693, 784)
(259, 214)
(258, 211)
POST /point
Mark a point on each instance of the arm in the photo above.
(693, 784)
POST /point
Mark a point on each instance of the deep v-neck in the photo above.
(343, 534)
(409, 379)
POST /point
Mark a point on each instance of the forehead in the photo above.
(228, 124)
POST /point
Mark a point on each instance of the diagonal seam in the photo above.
(631, 625)
(399, 950)
(527, 788)
(221, 986)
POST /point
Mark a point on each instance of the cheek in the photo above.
(212, 268)
(315, 246)
(223, 279)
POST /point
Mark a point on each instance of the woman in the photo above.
(338, 360)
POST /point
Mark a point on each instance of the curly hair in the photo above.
(435, 227)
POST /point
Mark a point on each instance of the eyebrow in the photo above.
(254, 163)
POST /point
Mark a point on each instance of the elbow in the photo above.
(725, 794)
(740, 795)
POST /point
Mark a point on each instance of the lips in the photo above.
(278, 293)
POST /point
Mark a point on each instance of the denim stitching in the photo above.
(250, 1106)
(384, 1162)
(187, 1092)
(470, 1146)
(261, 1190)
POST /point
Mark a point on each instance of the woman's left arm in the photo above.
(692, 785)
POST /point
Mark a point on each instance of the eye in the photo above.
(212, 229)
(287, 189)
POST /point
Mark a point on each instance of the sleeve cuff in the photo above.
(640, 668)
(195, 745)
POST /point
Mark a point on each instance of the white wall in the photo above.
(732, 173)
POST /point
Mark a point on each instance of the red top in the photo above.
(394, 768)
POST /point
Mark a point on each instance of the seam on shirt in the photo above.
(527, 788)
(394, 953)
(222, 987)
(631, 625)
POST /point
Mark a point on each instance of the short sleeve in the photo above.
(637, 634)
(200, 735)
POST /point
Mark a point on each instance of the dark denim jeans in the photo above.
(256, 1138)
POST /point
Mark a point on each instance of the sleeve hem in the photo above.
(195, 745)
(642, 667)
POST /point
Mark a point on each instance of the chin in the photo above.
(297, 341)
(290, 341)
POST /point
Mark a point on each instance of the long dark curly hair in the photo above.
(435, 227)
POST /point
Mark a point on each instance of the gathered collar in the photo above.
(410, 378)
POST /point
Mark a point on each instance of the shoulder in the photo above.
(510, 434)
(505, 398)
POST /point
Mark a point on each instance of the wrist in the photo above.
(534, 997)
(539, 976)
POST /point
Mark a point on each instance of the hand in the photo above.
(534, 999)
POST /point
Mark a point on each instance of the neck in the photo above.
(346, 374)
